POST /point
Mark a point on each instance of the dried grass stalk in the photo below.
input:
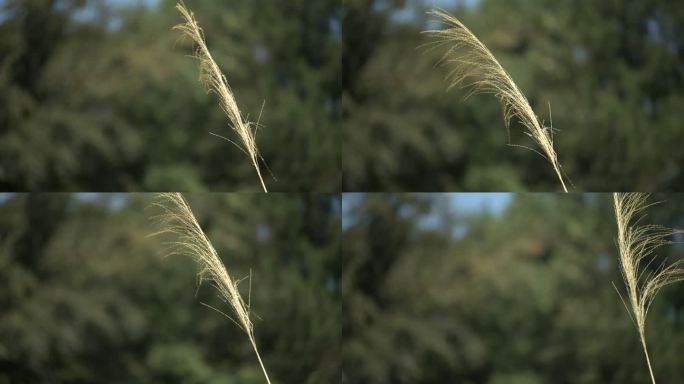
(637, 242)
(471, 59)
(215, 81)
(177, 219)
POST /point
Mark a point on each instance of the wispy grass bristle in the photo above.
(469, 58)
(215, 81)
(178, 220)
(637, 243)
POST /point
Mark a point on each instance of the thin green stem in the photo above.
(555, 168)
(263, 369)
(648, 360)
(262, 180)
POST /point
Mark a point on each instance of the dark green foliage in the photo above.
(523, 296)
(87, 298)
(111, 100)
(613, 73)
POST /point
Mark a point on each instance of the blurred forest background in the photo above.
(520, 294)
(612, 71)
(86, 296)
(100, 95)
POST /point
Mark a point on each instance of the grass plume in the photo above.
(215, 81)
(637, 242)
(471, 59)
(177, 219)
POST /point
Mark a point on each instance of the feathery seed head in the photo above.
(469, 58)
(637, 243)
(177, 219)
(215, 81)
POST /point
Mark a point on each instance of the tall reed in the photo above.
(177, 219)
(637, 242)
(470, 58)
(215, 81)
